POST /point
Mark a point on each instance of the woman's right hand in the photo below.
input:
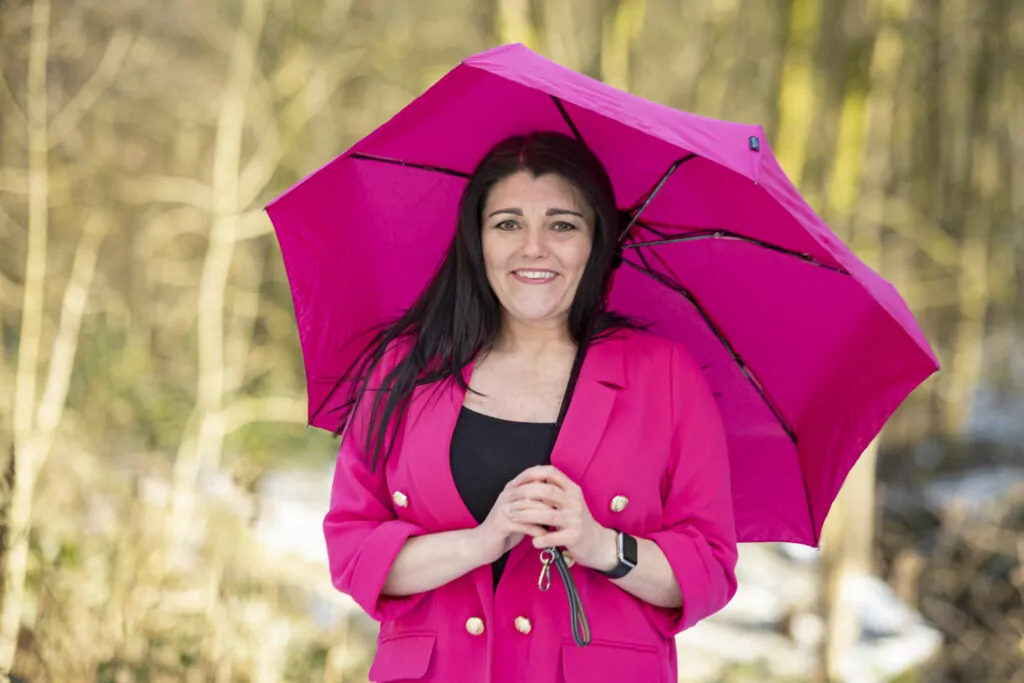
(499, 533)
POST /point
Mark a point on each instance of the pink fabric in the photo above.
(836, 353)
(642, 424)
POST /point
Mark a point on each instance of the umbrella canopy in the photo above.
(808, 351)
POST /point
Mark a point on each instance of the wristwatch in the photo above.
(625, 551)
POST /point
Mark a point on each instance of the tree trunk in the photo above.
(515, 24)
(847, 552)
(797, 88)
(719, 29)
(205, 447)
(983, 180)
(848, 549)
(618, 33)
(19, 513)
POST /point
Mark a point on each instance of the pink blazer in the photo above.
(643, 429)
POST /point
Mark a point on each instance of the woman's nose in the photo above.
(535, 243)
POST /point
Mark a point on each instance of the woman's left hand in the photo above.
(544, 495)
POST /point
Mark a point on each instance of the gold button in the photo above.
(619, 503)
(401, 500)
(475, 626)
(523, 625)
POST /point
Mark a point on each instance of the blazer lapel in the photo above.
(601, 377)
(583, 427)
(433, 411)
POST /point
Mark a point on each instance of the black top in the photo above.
(487, 453)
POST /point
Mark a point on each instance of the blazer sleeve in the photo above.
(362, 530)
(699, 535)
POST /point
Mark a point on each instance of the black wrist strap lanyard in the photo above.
(549, 556)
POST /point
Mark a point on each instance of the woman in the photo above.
(443, 499)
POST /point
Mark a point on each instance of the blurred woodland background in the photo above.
(152, 385)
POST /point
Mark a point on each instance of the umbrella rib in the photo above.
(399, 162)
(726, 235)
(744, 368)
(637, 210)
(568, 119)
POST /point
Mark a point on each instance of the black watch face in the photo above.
(628, 554)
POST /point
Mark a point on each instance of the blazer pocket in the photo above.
(612, 662)
(402, 658)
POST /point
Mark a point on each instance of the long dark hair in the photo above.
(457, 316)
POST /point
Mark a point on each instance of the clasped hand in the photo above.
(545, 504)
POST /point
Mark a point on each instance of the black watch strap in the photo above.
(625, 550)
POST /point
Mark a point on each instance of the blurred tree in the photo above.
(36, 418)
(515, 24)
(620, 30)
(978, 195)
(799, 88)
(849, 549)
(212, 333)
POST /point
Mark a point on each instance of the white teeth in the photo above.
(535, 274)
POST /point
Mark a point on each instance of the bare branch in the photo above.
(13, 110)
(65, 344)
(247, 411)
(165, 228)
(930, 294)
(188, 191)
(213, 28)
(908, 222)
(175, 273)
(253, 224)
(66, 120)
(303, 106)
(17, 181)
(289, 77)
(251, 180)
(10, 219)
(245, 308)
(10, 293)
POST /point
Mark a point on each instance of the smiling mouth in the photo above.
(534, 276)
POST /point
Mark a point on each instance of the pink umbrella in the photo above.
(808, 351)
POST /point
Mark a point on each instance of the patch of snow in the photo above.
(291, 510)
(771, 625)
(974, 492)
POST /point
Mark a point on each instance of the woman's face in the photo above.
(537, 235)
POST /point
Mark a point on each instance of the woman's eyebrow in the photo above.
(559, 212)
(515, 212)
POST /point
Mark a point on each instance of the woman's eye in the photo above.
(507, 225)
(562, 226)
